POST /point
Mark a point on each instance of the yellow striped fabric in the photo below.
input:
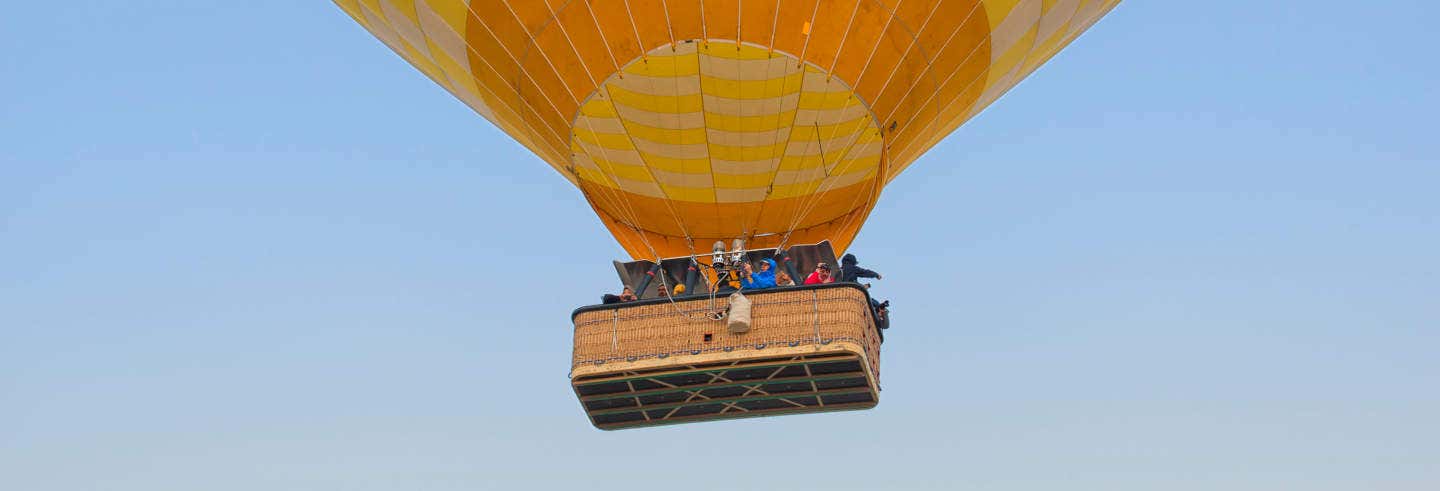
(687, 121)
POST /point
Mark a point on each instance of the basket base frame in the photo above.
(713, 386)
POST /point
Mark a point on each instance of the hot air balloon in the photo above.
(687, 122)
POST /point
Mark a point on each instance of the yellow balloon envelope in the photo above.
(684, 122)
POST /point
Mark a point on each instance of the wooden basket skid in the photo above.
(808, 350)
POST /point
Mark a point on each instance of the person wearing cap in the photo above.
(820, 275)
(765, 278)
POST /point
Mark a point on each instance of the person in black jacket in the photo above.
(851, 272)
(626, 295)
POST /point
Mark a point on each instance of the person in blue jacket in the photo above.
(765, 278)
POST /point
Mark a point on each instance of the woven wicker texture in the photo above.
(781, 318)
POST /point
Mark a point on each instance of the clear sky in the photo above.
(244, 246)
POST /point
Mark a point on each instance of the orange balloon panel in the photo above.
(686, 122)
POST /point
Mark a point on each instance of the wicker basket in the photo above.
(653, 362)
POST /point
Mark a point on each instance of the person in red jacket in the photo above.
(821, 275)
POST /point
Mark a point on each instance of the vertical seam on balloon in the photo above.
(817, 194)
(739, 6)
(675, 82)
(868, 59)
(501, 76)
(644, 53)
(615, 192)
(788, 138)
(429, 55)
(618, 196)
(594, 19)
(853, 95)
(519, 69)
(779, 113)
(914, 43)
(800, 199)
(648, 169)
(806, 46)
(872, 196)
(585, 67)
(454, 84)
(1019, 66)
(931, 98)
(705, 116)
(665, 7)
(579, 109)
(930, 63)
(741, 102)
(704, 29)
(929, 71)
(774, 24)
(624, 204)
(843, 36)
(864, 69)
(813, 196)
(535, 43)
(1070, 37)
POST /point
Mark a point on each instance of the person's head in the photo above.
(783, 278)
(823, 269)
(627, 291)
(849, 259)
(764, 265)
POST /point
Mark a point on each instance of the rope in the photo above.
(670, 297)
(615, 332)
(826, 185)
(795, 215)
(815, 301)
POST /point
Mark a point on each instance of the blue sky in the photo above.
(244, 246)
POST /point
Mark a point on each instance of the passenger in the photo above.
(820, 276)
(783, 279)
(851, 272)
(882, 313)
(728, 283)
(765, 278)
(626, 295)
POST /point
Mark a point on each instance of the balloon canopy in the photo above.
(684, 122)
